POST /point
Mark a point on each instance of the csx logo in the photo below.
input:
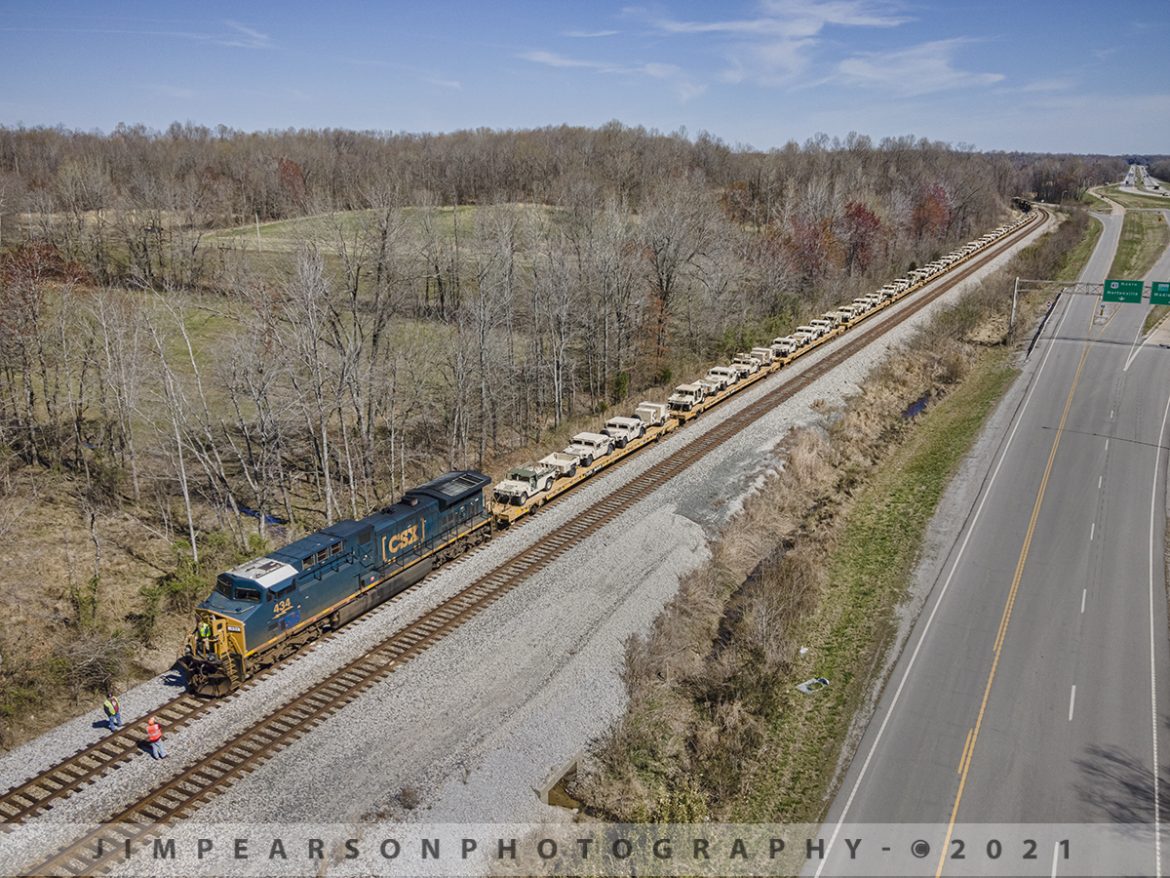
(400, 541)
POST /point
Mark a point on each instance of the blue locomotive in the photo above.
(266, 609)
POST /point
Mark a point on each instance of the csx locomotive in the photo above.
(265, 609)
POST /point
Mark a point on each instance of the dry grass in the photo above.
(79, 616)
(1080, 253)
(876, 547)
(1156, 315)
(1092, 202)
(702, 685)
(1129, 199)
(53, 607)
(1144, 236)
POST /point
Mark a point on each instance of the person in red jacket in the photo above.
(154, 738)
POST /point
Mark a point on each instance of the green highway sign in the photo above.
(1126, 291)
(1160, 293)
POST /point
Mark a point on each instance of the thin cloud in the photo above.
(244, 37)
(917, 70)
(683, 86)
(788, 18)
(1045, 86)
(238, 35)
(589, 34)
(552, 59)
(430, 77)
(776, 45)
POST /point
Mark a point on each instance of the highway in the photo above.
(1028, 691)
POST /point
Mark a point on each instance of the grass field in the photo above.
(1129, 199)
(1093, 202)
(266, 249)
(285, 236)
(1144, 235)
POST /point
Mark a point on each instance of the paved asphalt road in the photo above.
(1025, 692)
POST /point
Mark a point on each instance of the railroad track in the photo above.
(58, 782)
(180, 797)
(84, 767)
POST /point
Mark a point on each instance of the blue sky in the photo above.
(1078, 76)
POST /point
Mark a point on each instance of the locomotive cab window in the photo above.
(224, 586)
(244, 593)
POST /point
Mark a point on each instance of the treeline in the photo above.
(1059, 178)
(401, 334)
(1159, 169)
(222, 176)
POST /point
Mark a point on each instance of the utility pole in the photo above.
(1012, 319)
(1028, 285)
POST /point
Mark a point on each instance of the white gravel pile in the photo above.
(475, 725)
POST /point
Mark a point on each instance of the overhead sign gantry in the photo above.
(1127, 292)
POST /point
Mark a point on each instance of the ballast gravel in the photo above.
(473, 728)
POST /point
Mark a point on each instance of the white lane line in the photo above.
(942, 593)
(1055, 858)
(1072, 702)
(1106, 444)
(1155, 548)
(1100, 479)
(1111, 411)
(1136, 349)
(1084, 594)
(1092, 530)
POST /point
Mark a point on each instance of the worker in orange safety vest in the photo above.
(154, 738)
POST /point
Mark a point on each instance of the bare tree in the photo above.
(678, 226)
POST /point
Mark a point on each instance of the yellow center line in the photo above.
(966, 749)
(1007, 610)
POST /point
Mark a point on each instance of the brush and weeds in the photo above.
(1092, 202)
(1156, 315)
(820, 558)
